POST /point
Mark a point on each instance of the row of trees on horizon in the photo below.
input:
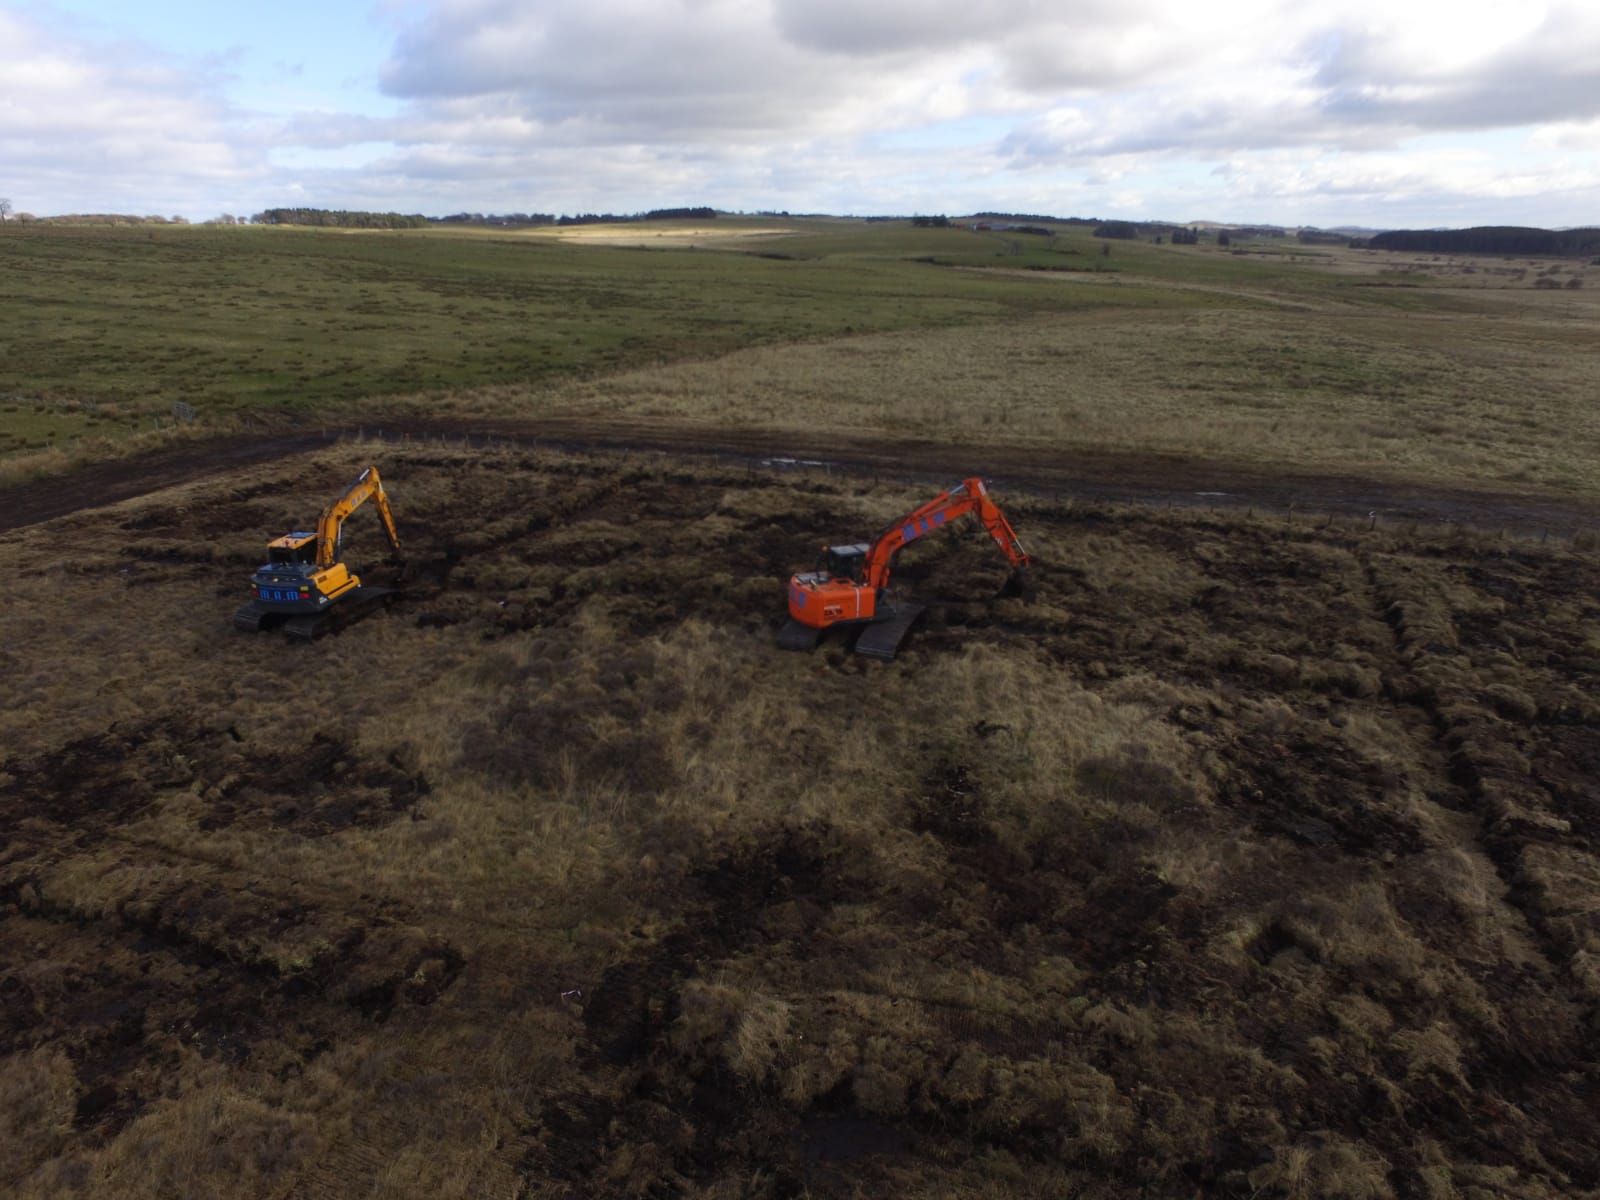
(1482, 239)
(1492, 239)
(337, 218)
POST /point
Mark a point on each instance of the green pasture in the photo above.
(251, 318)
(1267, 351)
(231, 319)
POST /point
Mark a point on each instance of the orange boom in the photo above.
(849, 585)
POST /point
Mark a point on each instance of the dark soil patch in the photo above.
(951, 808)
(1042, 983)
(92, 783)
(325, 788)
(1095, 476)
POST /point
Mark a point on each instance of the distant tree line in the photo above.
(496, 220)
(1014, 222)
(1121, 230)
(702, 213)
(1010, 227)
(100, 219)
(340, 219)
(988, 224)
(655, 214)
(1034, 218)
(1491, 239)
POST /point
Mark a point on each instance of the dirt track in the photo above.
(1105, 477)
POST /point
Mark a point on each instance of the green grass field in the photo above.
(250, 318)
(1299, 358)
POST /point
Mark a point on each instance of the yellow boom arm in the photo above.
(329, 526)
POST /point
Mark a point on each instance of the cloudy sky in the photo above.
(1365, 112)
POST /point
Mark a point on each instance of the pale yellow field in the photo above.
(709, 234)
(1464, 399)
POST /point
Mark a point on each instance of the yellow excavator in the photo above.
(304, 587)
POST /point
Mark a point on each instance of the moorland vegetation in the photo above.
(1249, 854)
(1451, 369)
(1242, 857)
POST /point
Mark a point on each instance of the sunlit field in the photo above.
(1367, 363)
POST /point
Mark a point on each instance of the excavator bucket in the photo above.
(1017, 584)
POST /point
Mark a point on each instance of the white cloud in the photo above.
(1261, 74)
(1570, 136)
(844, 105)
(111, 126)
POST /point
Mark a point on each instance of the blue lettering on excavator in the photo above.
(917, 528)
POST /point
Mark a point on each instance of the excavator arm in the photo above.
(366, 487)
(969, 496)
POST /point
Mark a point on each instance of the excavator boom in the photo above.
(331, 524)
(969, 496)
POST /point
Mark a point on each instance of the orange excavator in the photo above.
(849, 586)
(303, 586)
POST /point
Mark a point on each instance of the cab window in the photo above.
(291, 554)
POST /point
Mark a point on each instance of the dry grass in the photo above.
(720, 234)
(1451, 372)
(1475, 398)
(1237, 859)
(43, 457)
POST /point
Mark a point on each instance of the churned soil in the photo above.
(1247, 853)
(1085, 475)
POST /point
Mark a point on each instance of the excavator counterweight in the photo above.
(850, 583)
(303, 587)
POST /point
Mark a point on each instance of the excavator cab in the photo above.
(297, 547)
(845, 562)
(290, 581)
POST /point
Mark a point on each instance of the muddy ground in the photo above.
(1244, 855)
(1087, 476)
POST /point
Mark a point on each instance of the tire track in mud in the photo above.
(1534, 851)
(1087, 475)
(1514, 808)
(1421, 634)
